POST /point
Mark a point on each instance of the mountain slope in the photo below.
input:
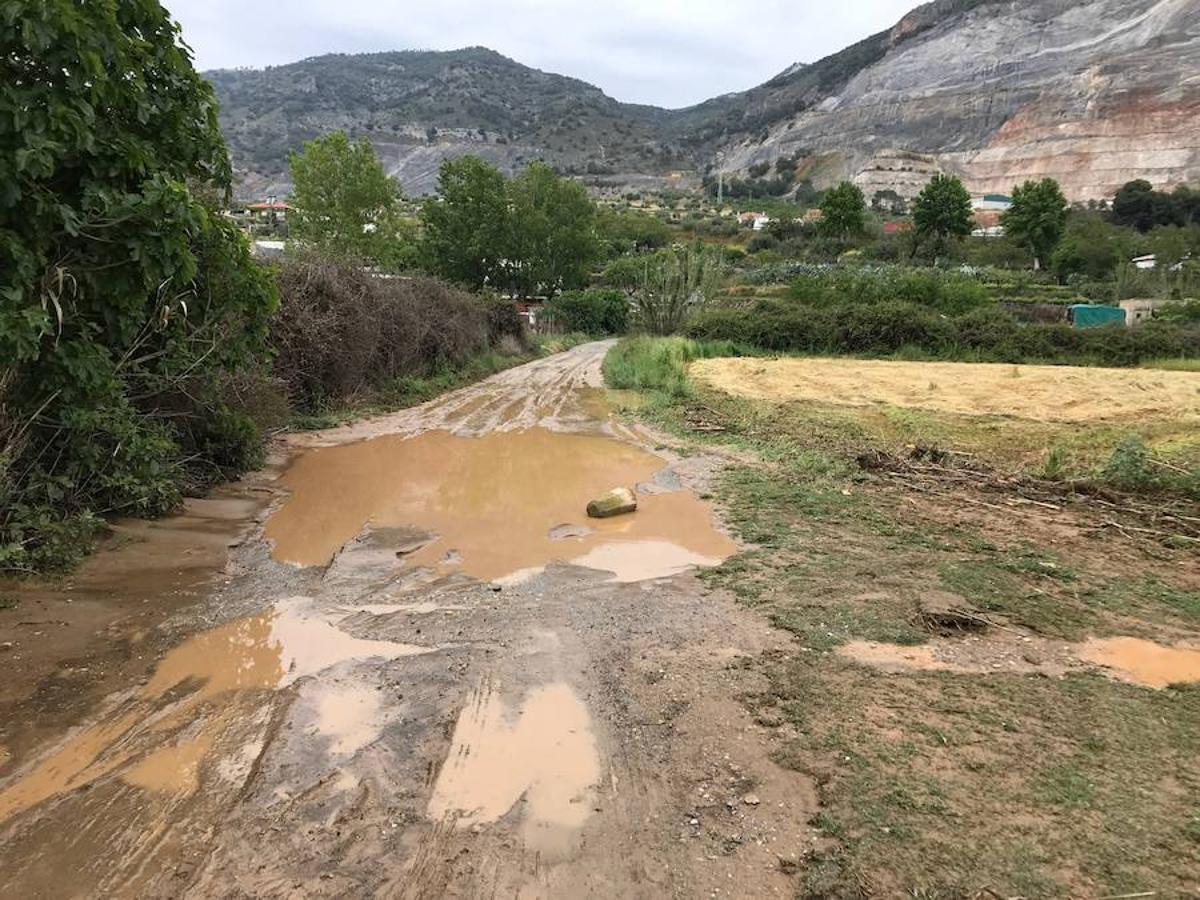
(419, 107)
(1093, 93)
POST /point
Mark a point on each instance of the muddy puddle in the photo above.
(1133, 660)
(538, 761)
(140, 573)
(502, 505)
(1144, 662)
(159, 737)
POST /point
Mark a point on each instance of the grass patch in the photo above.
(659, 365)
(1174, 364)
(933, 784)
(918, 785)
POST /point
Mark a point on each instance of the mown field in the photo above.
(1029, 774)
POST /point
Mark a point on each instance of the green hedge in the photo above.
(984, 334)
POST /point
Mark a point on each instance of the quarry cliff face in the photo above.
(1092, 93)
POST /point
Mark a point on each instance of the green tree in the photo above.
(844, 211)
(468, 225)
(345, 203)
(1138, 205)
(942, 214)
(1037, 218)
(553, 237)
(122, 295)
(630, 232)
(1091, 248)
(675, 284)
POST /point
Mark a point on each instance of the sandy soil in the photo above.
(390, 723)
(1043, 393)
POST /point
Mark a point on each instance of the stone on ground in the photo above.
(616, 502)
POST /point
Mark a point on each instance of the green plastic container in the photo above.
(1085, 315)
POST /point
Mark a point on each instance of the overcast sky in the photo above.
(666, 52)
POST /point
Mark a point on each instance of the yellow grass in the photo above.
(1041, 393)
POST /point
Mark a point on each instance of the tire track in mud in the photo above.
(609, 714)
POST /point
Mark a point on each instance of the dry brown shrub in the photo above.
(342, 331)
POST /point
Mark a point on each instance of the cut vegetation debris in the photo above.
(992, 685)
(1041, 393)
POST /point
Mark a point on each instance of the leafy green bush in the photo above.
(600, 311)
(504, 322)
(1133, 467)
(126, 295)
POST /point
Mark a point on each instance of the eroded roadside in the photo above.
(406, 665)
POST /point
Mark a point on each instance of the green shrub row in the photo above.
(984, 334)
(946, 292)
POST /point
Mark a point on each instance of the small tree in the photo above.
(941, 214)
(1037, 218)
(554, 241)
(344, 202)
(675, 284)
(844, 211)
(468, 225)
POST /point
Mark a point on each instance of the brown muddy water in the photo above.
(1144, 662)
(157, 739)
(541, 757)
(1133, 660)
(500, 506)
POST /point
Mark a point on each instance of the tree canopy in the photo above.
(941, 214)
(844, 211)
(1138, 205)
(534, 234)
(467, 223)
(1037, 217)
(554, 233)
(344, 202)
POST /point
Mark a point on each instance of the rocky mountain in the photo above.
(1091, 92)
(420, 107)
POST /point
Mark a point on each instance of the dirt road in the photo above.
(419, 672)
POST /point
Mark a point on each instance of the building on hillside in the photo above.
(898, 226)
(991, 203)
(270, 209)
(756, 220)
(992, 231)
(1145, 263)
(1140, 311)
(814, 215)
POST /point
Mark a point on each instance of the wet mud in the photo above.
(421, 672)
(1144, 662)
(541, 756)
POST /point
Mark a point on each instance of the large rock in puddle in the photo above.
(617, 502)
